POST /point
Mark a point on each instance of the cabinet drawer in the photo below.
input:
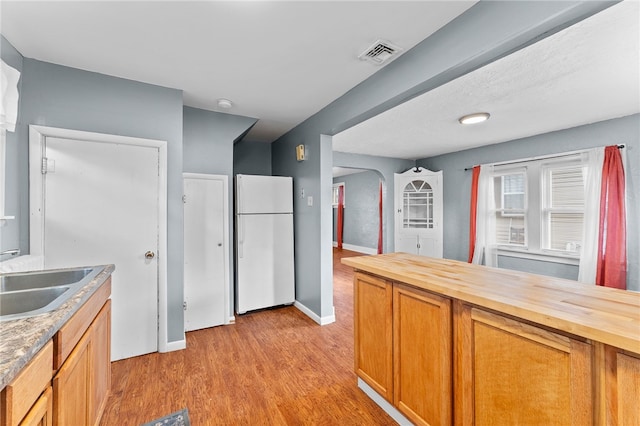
(69, 335)
(18, 397)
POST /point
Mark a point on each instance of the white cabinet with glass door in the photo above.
(418, 212)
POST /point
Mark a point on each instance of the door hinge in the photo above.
(48, 166)
(184, 199)
(184, 305)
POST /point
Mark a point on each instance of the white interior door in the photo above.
(101, 205)
(206, 283)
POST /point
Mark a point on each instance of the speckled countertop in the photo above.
(21, 339)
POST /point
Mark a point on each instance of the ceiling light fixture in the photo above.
(224, 103)
(477, 117)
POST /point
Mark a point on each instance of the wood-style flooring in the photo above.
(272, 367)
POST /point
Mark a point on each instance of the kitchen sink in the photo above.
(27, 294)
(18, 302)
(42, 279)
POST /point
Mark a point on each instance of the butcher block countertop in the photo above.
(601, 314)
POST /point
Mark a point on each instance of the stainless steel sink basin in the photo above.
(28, 294)
(18, 302)
(15, 282)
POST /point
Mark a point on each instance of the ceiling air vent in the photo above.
(380, 52)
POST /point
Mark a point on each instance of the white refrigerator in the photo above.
(264, 242)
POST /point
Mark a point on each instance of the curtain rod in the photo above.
(542, 157)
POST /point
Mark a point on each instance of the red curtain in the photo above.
(340, 215)
(472, 211)
(380, 221)
(611, 270)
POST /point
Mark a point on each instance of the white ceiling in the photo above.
(587, 73)
(280, 62)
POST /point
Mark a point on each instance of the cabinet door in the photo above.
(622, 381)
(422, 356)
(510, 372)
(373, 333)
(408, 244)
(71, 387)
(100, 367)
(41, 414)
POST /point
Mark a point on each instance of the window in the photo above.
(511, 202)
(563, 207)
(540, 207)
(334, 196)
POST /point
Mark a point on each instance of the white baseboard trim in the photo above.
(178, 345)
(320, 320)
(383, 403)
(359, 249)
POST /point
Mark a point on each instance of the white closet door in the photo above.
(205, 244)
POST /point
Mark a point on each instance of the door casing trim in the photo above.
(37, 138)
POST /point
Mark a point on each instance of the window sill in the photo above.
(543, 256)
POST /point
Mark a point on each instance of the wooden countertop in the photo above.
(601, 314)
(21, 339)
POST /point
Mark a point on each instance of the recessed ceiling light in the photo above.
(224, 103)
(477, 117)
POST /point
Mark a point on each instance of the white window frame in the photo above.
(535, 189)
(3, 143)
(334, 194)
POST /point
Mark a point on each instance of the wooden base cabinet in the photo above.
(373, 333)
(622, 387)
(81, 385)
(511, 372)
(475, 346)
(403, 348)
(422, 356)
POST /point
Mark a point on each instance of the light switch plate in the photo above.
(310, 201)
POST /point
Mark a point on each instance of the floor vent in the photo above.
(380, 52)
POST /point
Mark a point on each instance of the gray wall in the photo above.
(313, 255)
(208, 147)
(361, 215)
(209, 140)
(457, 187)
(252, 158)
(487, 31)
(386, 167)
(14, 199)
(58, 96)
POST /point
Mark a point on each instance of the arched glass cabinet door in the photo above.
(417, 205)
(418, 212)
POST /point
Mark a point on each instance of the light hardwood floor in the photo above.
(273, 367)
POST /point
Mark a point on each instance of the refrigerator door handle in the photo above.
(240, 235)
(239, 194)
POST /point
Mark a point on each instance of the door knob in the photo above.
(149, 255)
